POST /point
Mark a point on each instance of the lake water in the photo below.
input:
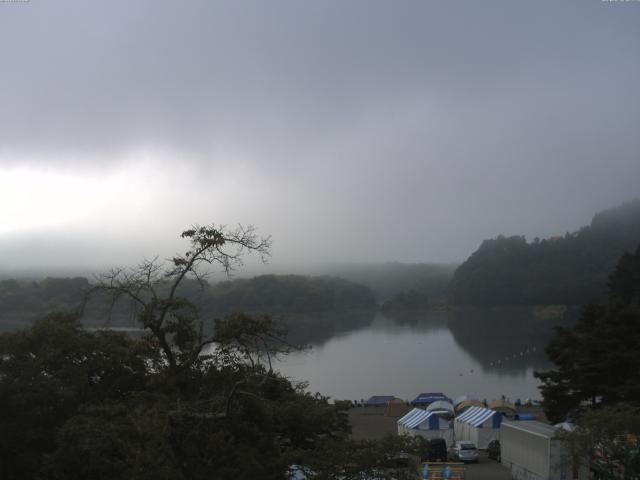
(485, 353)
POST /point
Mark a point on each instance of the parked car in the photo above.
(463, 451)
(437, 450)
(493, 450)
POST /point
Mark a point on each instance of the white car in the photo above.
(463, 451)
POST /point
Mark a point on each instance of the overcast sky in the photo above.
(348, 130)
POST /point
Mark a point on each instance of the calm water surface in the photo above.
(482, 353)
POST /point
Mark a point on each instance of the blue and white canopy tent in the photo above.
(426, 399)
(478, 425)
(419, 422)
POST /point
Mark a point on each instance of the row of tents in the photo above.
(530, 450)
(442, 402)
(476, 424)
(422, 400)
(438, 401)
(434, 415)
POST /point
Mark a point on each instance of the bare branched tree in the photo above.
(252, 340)
(153, 287)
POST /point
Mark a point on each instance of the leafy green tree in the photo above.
(597, 359)
(153, 288)
(47, 373)
(624, 284)
(123, 440)
(608, 439)
(180, 402)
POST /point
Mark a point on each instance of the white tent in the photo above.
(425, 424)
(442, 408)
(478, 425)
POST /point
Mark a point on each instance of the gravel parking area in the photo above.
(487, 469)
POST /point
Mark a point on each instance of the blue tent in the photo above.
(378, 400)
(425, 399)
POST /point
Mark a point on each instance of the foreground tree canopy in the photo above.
(175, 403)
(608, 440)
(598, 359)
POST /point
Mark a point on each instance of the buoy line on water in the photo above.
(515, 356)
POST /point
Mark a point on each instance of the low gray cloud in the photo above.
(357, 131)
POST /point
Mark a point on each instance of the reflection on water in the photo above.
(487, 353)
(318, 328)
(502, 340)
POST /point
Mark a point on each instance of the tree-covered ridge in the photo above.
(569, 270)
(23, 302)
(289, 294)
(410, 301)
(389, 279)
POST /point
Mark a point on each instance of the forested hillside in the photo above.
(288, 294)
(572, 269)
(21, 303)
(406, 302)
(389, 279)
